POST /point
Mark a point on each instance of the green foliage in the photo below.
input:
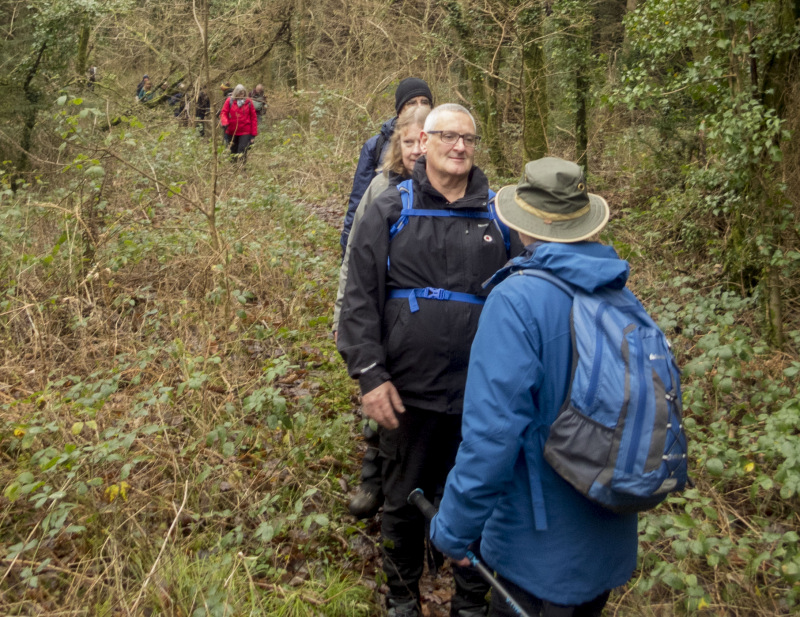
(170, 399)
(741, 422)
(169, 373)
(703, 70)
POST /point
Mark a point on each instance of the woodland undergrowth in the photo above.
(178, 432)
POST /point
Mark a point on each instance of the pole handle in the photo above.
(417, 499)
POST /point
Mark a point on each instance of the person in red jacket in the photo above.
(238, 116)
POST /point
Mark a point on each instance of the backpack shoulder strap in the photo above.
(406, 189)
(542, 274)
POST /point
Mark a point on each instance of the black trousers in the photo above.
(240, 144)
(537, 607)
(419, 454)
(372, 465)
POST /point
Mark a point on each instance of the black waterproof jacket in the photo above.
(368, 162)
(425, 353)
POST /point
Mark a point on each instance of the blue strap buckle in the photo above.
(433, 293)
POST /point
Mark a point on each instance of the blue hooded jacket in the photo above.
(366, 170)
(535, 529)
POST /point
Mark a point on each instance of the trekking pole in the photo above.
(417, 498)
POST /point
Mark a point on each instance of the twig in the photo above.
(49, 566)
(163, 547)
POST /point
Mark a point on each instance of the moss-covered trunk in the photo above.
(534, 96)
(82, 56)
(30, 112)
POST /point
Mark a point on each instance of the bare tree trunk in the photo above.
(484, 92)
(484, 85)
(534, 96)
(30, 112)
(82, 57)
(581, 115)
(779, 75)
(775, 307)
(210, 209)
(299, 36)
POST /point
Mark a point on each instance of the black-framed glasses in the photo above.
(451, 138)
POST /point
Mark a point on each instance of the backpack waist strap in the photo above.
(433, 293)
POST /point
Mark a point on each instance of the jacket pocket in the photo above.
(395, 320)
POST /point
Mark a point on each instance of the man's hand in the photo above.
(382, 404)
(464, 562)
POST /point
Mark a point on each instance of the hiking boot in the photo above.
(404, 608)
(365, 503)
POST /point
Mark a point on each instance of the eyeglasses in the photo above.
(451, 137)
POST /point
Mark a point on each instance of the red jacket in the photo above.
(239, 120)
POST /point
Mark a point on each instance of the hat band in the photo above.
(551, 216)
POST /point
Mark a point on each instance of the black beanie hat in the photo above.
(409, 88)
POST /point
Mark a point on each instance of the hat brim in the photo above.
(531, 225)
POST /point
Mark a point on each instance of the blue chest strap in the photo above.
(433, 293)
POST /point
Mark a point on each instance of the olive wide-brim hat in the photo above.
(551, 203)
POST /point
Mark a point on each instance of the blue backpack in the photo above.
(618, 438)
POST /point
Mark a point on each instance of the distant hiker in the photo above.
(410, 310)
(91, 77)
(144, 92)
(410, 92)
(141, 84)
(179, 102)
(238, 116)
(259, 102)
(148, 92)
(398, 164)
(558, 553)
(202, 108)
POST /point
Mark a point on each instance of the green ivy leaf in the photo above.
(715, 467)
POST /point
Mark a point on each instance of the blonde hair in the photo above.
(413, 116)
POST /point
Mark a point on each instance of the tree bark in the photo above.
(534, 96)
(581, 115)
(299, 37)
(484, 84)
(30, 112)
(82, 57)
(775, 307)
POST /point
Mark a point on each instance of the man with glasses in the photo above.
(410, 312)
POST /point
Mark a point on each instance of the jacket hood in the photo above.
(588, 266)
(387, 128)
